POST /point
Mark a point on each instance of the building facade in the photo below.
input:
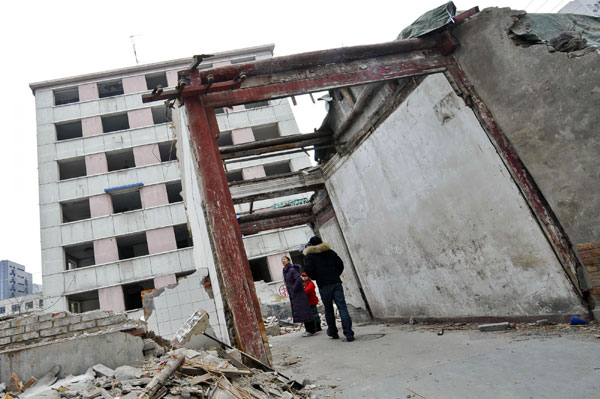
(14, 280)
(12, 307)
(114, 223)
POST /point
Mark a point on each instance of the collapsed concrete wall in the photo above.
(546, 104)
(435, 225)
(31, 345)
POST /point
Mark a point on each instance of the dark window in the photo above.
(225, 139)
(80, 255)
(168, 151)
(2, 309)
(265, 132)
(133, 293)
(126, 201)
(132, 246)
(118, 160)
(277, 168)
(29, 305)
(235, 175)
(83, 302)
(161, 115)
(71, 168)
(75, 210)
(219, 110)
(114, 123)
(260, 270)
(66, 96)
(155, 79)
(41, 303)
(174, 192)
(15, 308)
(182, 236)
(110, 89)
(69, 130)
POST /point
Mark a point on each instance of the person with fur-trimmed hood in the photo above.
(323, 265)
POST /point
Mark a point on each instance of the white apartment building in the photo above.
(113, 220)
(583, 7)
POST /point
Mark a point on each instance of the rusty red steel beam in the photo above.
(336, 77)
(228, 79)
(533, 195)
(280, 222)
(319, 58)
(233, 271)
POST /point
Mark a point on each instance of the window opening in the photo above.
(225, 138)
(132, 246)
(114, 123)
(71, 168)
(83, 301)
(174, 192)
(168, 151)
(75, 210)
(182, 236)
(80, 255)
(110, 89)
(133, 293)
(126, 201)
(66, 96)
(260, 270)
(155, 79)
(118, 160)
(265, 132)
(68, 130)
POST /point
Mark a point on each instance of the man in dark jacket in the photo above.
(324, 266)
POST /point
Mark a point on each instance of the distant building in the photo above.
(583, 7)
(14, 280)
(21, 305)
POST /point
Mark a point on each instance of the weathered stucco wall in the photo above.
(330, 232)
(547, 105)
(434, 223)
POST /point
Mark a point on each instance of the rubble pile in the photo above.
(180, 373)
(275, 326)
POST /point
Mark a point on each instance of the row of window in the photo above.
(116, 160)
(16, 307)
(106, 89)
(110, 123)
(114, 87)
(129, 246)
(271, 169)
(73, 211)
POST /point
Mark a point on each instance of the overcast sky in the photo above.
(44, 40)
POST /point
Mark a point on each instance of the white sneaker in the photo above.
(307, 334)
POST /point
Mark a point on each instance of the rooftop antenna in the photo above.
(133, 44)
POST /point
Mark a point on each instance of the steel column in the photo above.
(239, 296)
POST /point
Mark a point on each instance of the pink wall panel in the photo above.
(105, 250)
(100, 205)
(161, 240)
(164, 281)
(134, 84)
(88, 92)
(253, 172)
(172, 78)
(112, 298)
(140, 118)
(146, 155)
(238, 108)
(91, 126)
(239, 136)
(96, 163)
(154, 195)
(275, 266)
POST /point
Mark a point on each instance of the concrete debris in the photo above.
(179, 373)
(412, 321)
(544, 322)
(275, 326)
(103, 371)
(494, 327)
(194, 326)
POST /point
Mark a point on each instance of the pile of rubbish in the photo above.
(180, 373)
(275, 326)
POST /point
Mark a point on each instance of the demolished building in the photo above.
(459, 166)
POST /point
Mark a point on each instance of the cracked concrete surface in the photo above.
(408, 361)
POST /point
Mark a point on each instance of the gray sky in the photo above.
(44, 40)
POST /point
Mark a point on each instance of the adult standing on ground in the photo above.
(301, 312)
(324, 266)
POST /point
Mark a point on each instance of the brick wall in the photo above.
(46, 327)
(590, 256)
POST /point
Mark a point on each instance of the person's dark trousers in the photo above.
(335, 293)
(315, 313)
(310, 326)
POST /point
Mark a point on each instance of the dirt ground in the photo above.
(403, 361)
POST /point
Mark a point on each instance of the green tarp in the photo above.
(544, 28)
(429, 21)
